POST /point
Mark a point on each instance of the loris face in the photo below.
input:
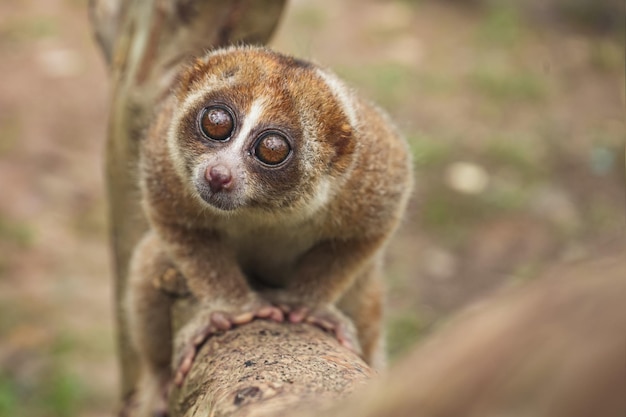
(254, 129)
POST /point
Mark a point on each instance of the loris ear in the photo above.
(190, 76)
(343, 143)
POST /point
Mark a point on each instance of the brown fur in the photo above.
(308, 233)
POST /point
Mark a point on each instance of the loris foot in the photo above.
(329, 319)
(206, 324)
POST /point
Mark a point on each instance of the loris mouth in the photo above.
(225, 201)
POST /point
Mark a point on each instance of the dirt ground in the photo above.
(516, 129)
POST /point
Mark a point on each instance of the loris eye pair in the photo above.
(217, 123)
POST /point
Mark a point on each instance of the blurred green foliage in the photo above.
(403, 331)
(45, 388)
(388, 84)
(55, 393)
(8, 397)
(502, 25)
(28, 29)
(603, 16)
(428, 152)
(311, 17)
(17, 233)
(505, 85)
(517, 154)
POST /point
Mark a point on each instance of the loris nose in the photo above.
(219, 178)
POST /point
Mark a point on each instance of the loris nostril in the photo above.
(219, 178)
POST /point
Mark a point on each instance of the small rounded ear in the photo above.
(343, 141)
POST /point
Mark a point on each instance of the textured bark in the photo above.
(143, 42)
(263, 368)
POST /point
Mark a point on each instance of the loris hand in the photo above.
(210, 320)
(327, 317)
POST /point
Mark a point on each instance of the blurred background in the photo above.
(515, 115)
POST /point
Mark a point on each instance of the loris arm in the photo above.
(323, 283)
(326, 271)
(215, 279)
(209, 267)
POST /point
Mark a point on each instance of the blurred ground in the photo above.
(516, 126)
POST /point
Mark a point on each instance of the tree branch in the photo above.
(265, 367)
(553, 348)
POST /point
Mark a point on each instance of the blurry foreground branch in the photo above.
(553, 348)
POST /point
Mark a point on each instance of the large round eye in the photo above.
(272, 149)
(216, 123)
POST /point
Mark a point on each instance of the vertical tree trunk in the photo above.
(144, 42)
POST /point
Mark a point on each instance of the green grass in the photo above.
(508, 85)
(506, 199)
(8, 397)
(516, 154)
(56, 393)
(311, 17)
(436, 83)
(62, 394)
(28, 29)
(403, 331)
(606, 56)
(428, 152)
(526, 271)
(77, 4)
(388, 84)
(450, 216)
(48, 389)
(502, 25)
(604, 217)
(18, 234)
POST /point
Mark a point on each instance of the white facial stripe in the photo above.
(251, 120)
(231, 155)
(342, 94)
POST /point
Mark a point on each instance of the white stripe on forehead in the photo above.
(234, 152)
(251, 118)
(341, 93)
